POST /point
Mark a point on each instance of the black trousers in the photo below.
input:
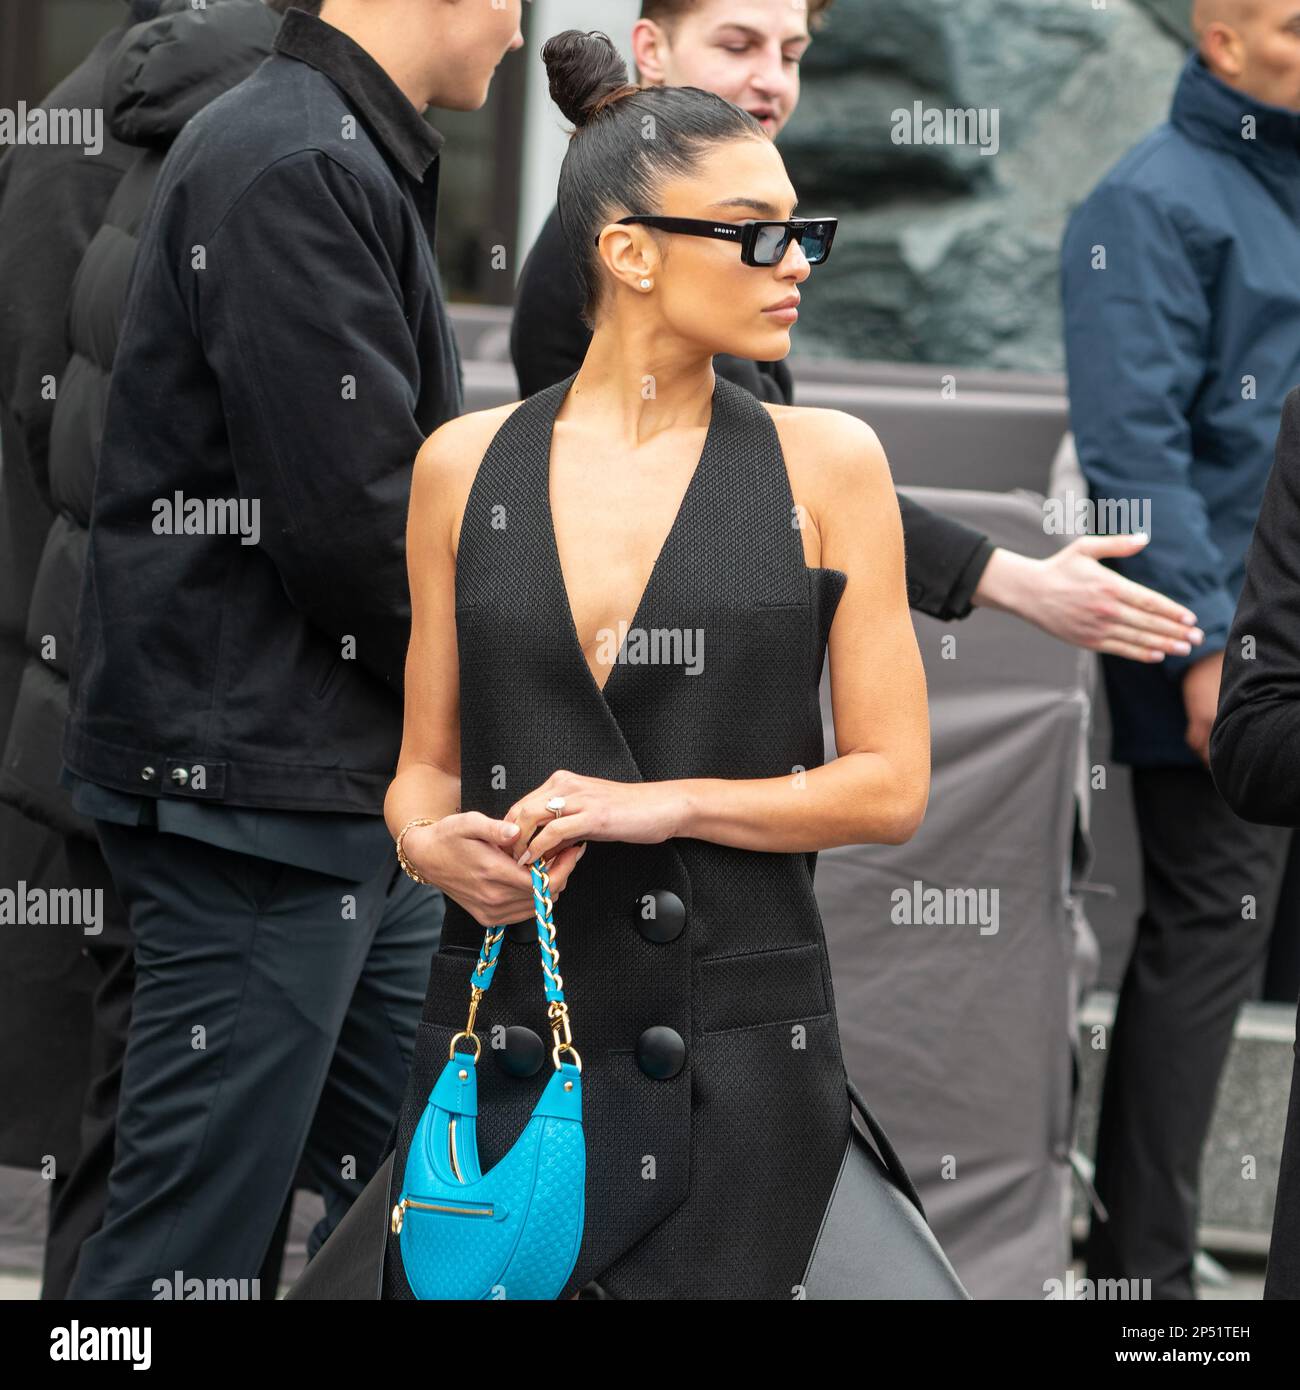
(273, 1020)
(77, 1202)
(1282, 1278)
(1197, 957)
(79, 1197)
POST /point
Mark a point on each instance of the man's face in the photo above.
(473, 37)
(1264, 60)
(747, 51)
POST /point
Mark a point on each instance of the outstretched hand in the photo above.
(1079, 600)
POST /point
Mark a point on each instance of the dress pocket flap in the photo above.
(745, 991)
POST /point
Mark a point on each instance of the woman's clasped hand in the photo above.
(483, 864)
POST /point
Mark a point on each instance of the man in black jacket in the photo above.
(751, 55)
(1255, 750)
(236, 701)
(163, 70)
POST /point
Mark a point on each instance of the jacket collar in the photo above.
(1212, 113)
(393, 120)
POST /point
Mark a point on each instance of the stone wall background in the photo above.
(943, 254)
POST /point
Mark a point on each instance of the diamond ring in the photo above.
(556, 804)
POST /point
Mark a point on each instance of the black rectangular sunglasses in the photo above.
(761, 243)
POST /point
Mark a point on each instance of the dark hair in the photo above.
(280, 6)
(612, 164)
(668, 12)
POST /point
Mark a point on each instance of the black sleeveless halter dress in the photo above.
(716, 1104)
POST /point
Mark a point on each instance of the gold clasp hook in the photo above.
(475, 994)
(559, 1013)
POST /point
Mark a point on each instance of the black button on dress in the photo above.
(660, 916)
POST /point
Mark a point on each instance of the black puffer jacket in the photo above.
(163, 72)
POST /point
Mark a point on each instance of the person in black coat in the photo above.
(52, 201)
(52, 198)
(950, 566)
(235, 703)
(162, 71)
(1255, 749)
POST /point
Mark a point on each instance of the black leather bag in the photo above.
(875, 1242)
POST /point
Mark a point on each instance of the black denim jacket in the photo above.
(285, 345)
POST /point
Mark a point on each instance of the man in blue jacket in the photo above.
(1181, 286)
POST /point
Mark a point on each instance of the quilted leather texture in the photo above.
(527, 1247)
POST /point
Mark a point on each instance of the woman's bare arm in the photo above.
(466, 854)
(428, 769)
(876, 790)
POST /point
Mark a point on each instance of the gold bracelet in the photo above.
(401, 857)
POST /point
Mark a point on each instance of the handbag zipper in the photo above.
(399, 1211)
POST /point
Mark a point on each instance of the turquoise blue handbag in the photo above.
(514, 1231)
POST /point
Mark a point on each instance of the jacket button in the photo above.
(660, 915)
(180, 776)
(660, 1052)
(147, 774)
(523, 1053)
(522, 931)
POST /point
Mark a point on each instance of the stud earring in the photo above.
(645, 284)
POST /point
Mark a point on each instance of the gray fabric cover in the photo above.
(962, 1043)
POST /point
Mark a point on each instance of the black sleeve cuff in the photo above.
(961, 596)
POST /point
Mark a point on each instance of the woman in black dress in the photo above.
(622, 593)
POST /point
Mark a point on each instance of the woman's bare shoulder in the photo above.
(445, 469)
(827, 450)
(452, 453)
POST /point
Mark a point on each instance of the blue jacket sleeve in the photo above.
(1137, 341)
(302, 318)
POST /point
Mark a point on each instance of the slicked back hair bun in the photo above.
(586, 74)
(626, 142)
